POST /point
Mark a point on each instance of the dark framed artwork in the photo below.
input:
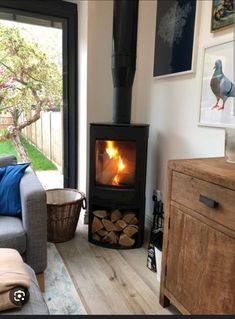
(175, 37)
(222, 14)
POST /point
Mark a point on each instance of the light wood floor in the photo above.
(109, 281)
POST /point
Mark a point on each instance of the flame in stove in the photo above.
(113, 152)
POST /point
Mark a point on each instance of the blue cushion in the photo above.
(10, 176)
(2, 172)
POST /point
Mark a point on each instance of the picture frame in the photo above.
(215, 88)
(222, 14)
(176, 36)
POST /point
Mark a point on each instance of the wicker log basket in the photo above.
(63, 211)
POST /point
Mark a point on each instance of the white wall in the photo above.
(82, 92)
(171, 105)
(99, 85)
(94, 70)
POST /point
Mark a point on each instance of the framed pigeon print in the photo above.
(175, 37)
(223, 14)
(218, 91)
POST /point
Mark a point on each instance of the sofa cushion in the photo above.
(12, 234)
(10, 177)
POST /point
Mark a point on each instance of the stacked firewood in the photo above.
(115, 227)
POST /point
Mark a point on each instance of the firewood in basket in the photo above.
(126, 241)
(121, 223)
(96, 237)
(108, 225)
(111, 238)
(102, 232)
(134, 221)
(116, 215)
(131, 230)
(100, 213)
(128, 217)
(96, 225)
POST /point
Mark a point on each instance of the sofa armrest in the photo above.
(34, 219)
(7, 160)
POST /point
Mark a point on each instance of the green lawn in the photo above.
(39, 161)
(7, 148)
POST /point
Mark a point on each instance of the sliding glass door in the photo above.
(39, 72)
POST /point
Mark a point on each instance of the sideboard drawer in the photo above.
(213, 201)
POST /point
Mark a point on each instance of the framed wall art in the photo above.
(175, 37)
(222, 15)
(218, 91)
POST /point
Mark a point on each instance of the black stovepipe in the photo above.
(125, 19)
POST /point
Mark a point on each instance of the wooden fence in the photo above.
(5, 120)
(47, 135)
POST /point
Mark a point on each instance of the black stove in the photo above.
(118, 150)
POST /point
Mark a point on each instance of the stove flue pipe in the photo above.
(125, 19)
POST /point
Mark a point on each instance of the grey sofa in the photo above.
(27, 234)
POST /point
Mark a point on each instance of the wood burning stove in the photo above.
(118, 154)
(118, 150)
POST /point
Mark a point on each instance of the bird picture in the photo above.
(221, 86)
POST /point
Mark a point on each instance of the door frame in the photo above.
(67, 12)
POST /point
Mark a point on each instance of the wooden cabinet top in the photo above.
(214, 170)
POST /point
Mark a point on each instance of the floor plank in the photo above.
(111, 281)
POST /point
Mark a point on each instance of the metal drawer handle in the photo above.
(208, 201)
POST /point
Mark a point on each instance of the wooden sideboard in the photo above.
(198, 261)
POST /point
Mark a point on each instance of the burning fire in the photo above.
(113, 152)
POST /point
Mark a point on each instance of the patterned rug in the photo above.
(60, 294)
